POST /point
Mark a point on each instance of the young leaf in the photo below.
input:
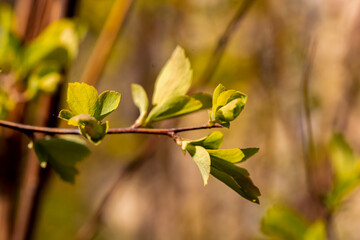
(45, 78)
(87, 110)
(249, 152)
(173, 107)
(58, 43)
(236, 178)
(61, 154)
(212, 141)
(82, 99)
(204, 98)
(141, 101)
(227, 105)
(283, 224)
(346, 170)
(202, 159)
(317, 231)
(174, 79)
(108, 101)
(234, 155)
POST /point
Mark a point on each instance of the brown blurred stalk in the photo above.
(105, 42)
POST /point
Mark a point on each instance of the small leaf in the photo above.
(249, 152)
(82, 99)
(212, 141)
(236, 178)
(108, 101)
(204, 98)
(234, 155)
(62, 154)
(231, 110)
(227, 105)
(173, 107)
(141, 101)
(346, 168)
(87, 110)
(317, 231)
(218, 90)
(45, 78)
(174, 79)
(57, 43)
(283, 224)
(202, 159)
(65, 115)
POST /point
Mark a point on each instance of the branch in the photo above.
(29, 129)
(224, 40)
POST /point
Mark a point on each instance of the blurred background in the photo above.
(270, 49)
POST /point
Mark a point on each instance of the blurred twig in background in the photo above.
(105, 42)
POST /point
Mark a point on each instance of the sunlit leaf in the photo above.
(140, 99)
(174, 79)
(174, 107)
(234, 155)
(227, 105)
(87, 109)
(212, 141)
(202, 159)
(108, 101)
(82, 99)
(62, 155)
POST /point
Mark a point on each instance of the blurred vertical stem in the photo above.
(223, 42)
(105, 42)
(41, 13)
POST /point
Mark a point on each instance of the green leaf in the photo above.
(227, 105)
(65, 115)
(236, 178)
(202, 159)
(45, 78)
(89, 127)
(141, 101)
(234, 155)
(62, 155)
(218, 90)
(346, 168)
(249, 152)
(87, 109)
(174, 79)
(231, 110)
(173, 107)
(317, 231)
(108, 101)
(204, 98)
(58, 43)
(82, 99)
(283, 224)
(212, 141)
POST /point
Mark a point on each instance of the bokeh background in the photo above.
(266, 57)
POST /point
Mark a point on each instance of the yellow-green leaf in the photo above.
(174, 79)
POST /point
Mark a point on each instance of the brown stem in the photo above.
(223, 41)
(105, 42)
(28, 129)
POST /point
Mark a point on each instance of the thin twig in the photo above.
(223, 41)
(26, 129)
